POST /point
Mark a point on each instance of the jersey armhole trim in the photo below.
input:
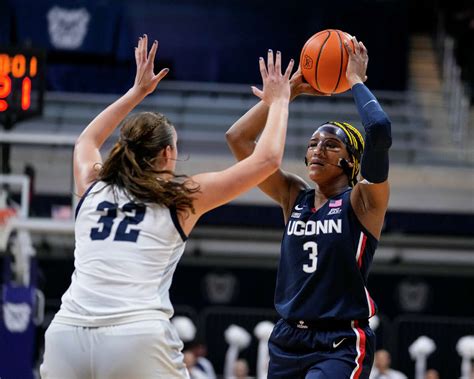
(174, 217)
(301, 194)
(298, 197)
(364, 229)
(79, 204)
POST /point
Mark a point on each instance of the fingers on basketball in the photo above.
(356, 45)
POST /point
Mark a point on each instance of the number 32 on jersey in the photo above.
(312, 247)
(134, 214)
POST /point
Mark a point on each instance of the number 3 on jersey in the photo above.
(313, 256)
(108, 219)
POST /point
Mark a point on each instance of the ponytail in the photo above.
(130, 164)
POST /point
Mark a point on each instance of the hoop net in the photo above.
(6, 214)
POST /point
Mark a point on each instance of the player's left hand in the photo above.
(358, 61)
(299, 86)
(276, 85)
(145, 78)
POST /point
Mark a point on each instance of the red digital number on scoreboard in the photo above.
(5, 90)
(21, 82)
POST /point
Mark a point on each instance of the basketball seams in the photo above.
(319, 56)
(324, 60)
(341, 64)
(305, 47)
(308, 42)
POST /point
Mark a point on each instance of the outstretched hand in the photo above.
(276, 85)
(299, 86)
(358, 61)
(145, 79)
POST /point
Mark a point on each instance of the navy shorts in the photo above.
(301, 352)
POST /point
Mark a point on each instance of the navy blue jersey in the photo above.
(324, 264)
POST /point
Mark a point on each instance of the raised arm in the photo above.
(87, 158)
(281, 186)
(370, 196)
(218, 188)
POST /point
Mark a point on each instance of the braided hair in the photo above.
(355, 146)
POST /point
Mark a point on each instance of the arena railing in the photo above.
(204, 111)
(456, 93)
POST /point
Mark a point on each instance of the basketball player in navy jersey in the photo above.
(131, 226)
(330, 238)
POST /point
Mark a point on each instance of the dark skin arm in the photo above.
(217, 188)
(369, 200)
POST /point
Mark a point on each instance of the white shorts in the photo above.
(138, 350)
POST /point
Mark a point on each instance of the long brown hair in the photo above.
(130, 164)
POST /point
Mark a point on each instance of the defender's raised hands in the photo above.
(275, 84)
(145, 79)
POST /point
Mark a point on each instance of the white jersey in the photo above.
(124, 258)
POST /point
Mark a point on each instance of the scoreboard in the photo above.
(22, 82)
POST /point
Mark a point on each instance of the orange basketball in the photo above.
(324, 59)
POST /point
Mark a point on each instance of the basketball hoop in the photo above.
(6, 214)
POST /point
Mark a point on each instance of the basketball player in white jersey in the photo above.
(131, 226)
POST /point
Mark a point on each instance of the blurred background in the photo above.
(70, 59)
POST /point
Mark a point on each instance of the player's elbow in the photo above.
(83, 142)
(384, 124)
(379, 134)
(79, 142)
(232, 137)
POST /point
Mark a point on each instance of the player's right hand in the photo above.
(358, 61)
